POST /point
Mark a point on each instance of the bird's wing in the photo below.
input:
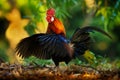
(43, 46)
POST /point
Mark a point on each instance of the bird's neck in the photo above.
(56, 27)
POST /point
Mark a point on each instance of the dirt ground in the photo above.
(73, 72)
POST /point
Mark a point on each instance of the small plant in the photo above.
(36, 61)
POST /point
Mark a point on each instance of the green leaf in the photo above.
(30, 28)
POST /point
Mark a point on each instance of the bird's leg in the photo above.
(56, 69)
(62, 68)
(67, 67)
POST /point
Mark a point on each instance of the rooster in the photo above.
(54, 44)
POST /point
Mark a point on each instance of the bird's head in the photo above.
(50, 15)
(54, 24)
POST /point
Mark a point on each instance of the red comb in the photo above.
(51, 12)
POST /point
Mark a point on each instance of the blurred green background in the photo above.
(21, 18)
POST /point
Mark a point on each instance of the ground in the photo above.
(72, 72)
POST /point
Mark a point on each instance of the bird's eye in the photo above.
(52, 19)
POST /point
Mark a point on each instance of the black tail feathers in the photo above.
(81, 39)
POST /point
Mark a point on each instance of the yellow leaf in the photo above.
(15, 31)
(90, 56)
(90, 3)
(41, 27)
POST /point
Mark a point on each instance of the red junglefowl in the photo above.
(54, 44)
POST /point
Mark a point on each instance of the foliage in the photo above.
(62, 7)
(3, 57)
(35, 61)
(109, 13)
(3, 46)
(35, 11)
(100, 63)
